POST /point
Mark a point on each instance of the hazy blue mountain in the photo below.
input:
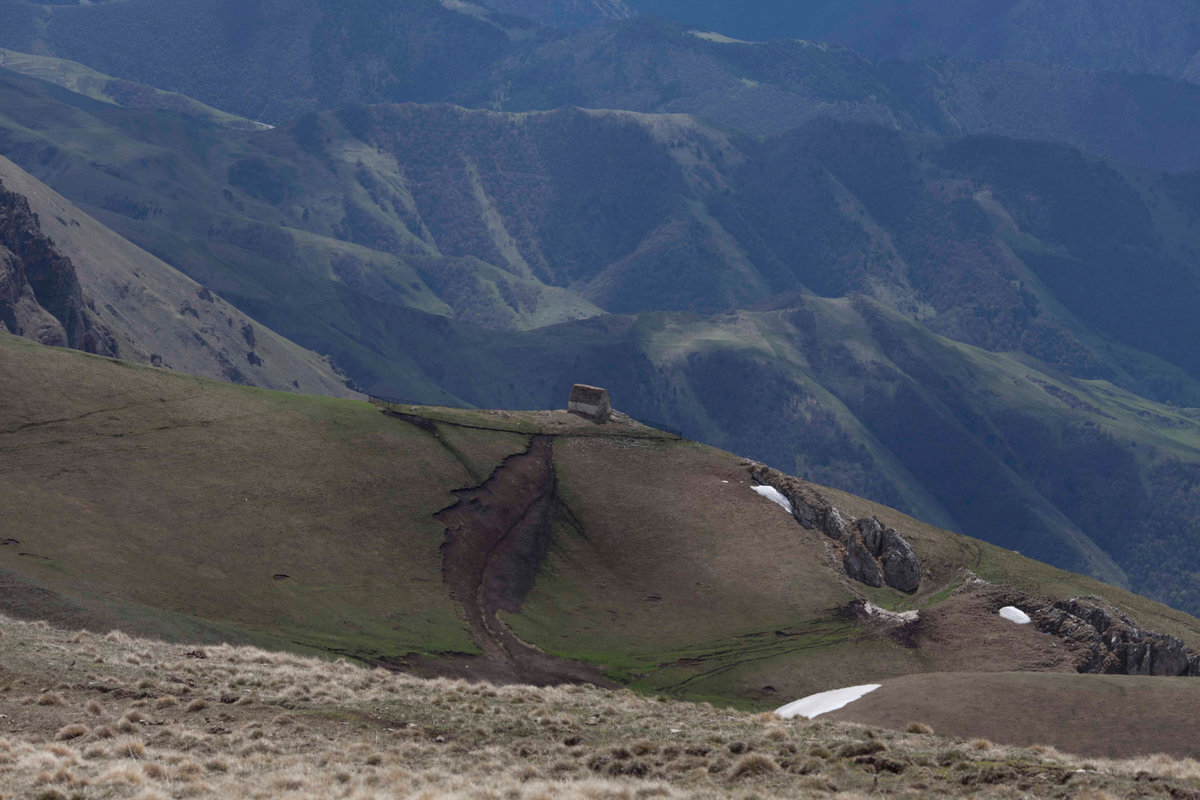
(1161, 38)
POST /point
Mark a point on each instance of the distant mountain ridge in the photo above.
(1160, 38)
(272, 61)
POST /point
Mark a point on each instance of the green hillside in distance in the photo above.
(199, 510)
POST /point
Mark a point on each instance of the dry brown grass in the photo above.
(323, 729)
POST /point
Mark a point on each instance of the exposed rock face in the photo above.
(860, 563)
(873, 555)
(40, 295)
(1115, 645)
(1101, 638)
(901, 568)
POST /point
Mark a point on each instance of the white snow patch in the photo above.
(775, 496)
(816, 704)
(1014, 614)
(872, 610)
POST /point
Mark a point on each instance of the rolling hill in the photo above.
(533, 546)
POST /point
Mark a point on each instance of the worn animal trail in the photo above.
(497, 536)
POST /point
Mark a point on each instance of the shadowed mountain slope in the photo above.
(1161, 38)
(273, 61)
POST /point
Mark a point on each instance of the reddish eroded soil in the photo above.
(497, 536)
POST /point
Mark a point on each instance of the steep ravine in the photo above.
(497, 536)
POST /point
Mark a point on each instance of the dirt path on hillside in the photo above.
(497, 536)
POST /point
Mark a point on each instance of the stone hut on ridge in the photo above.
(591, 402)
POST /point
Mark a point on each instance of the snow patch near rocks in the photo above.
(872, 610)
(817, 704)
(1014, 614)
(775, 496)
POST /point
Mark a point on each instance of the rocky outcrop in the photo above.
(860, 563)
(1102, 639)
(871, 554)
(40, 295)
(901, 568)
(1113, 644)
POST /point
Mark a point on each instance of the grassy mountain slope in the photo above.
(88, 82)
(318, 531)
(1080, 473)
(271, 61)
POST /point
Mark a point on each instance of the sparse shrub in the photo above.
(94, 708)
(737, 748)
(776, 733)
(51, 699)
(919, 727)
(753, 764)
(979, 744)
(103, 732)
(197, 705)
(154, 771)
(166, 701)
(949, 757)
(72, 731)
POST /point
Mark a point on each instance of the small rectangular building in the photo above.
(591, 402)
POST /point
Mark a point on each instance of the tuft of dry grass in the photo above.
(752, 765)
(919, 728)
(72, 731)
